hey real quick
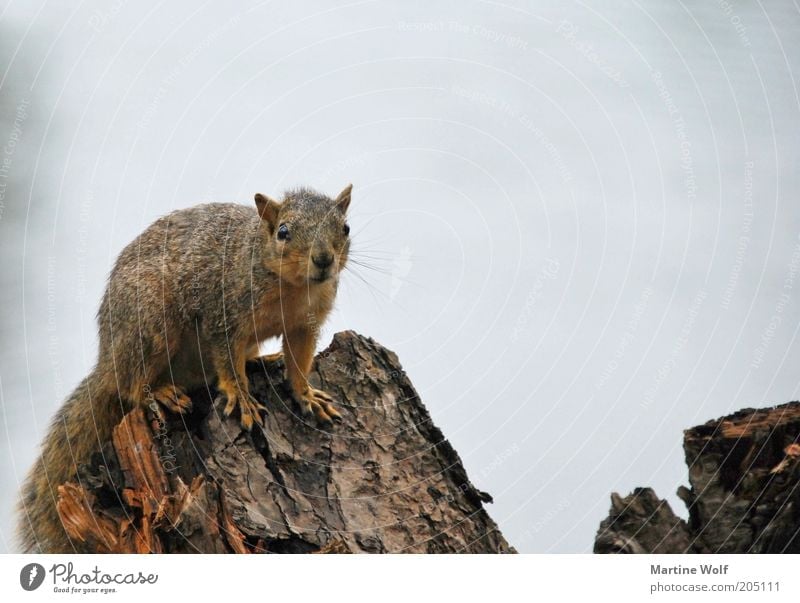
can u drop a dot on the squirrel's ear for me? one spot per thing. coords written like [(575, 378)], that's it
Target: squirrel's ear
[(268, 209), (343, 200)]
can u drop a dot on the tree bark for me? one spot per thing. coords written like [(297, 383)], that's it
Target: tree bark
[(744, 496), (385, 480)]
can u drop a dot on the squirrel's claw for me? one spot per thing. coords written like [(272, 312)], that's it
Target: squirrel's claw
[(326, 413), (318, 403), (250, 409), (173, 398)]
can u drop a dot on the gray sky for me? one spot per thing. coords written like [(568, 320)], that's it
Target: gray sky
[(586, 214)]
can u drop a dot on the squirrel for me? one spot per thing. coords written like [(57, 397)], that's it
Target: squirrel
[(199, 289)]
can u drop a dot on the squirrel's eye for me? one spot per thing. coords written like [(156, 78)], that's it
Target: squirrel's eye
[(346, 229), (283, 233)]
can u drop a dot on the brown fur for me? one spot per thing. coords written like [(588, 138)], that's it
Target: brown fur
[(194, 295)]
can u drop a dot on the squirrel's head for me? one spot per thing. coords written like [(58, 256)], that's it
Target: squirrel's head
[(307, 233)]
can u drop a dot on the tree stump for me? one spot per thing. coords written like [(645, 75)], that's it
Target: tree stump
[(385, 480), (744, 472)]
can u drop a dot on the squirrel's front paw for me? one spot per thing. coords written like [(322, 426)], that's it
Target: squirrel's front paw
[(249, 408), (173, 398), (317, 402), (271, 358)]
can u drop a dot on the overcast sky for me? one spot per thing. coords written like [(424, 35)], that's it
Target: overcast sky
[(586, 214)]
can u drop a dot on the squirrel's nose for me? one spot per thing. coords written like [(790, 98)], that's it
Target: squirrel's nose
[(322, 260)]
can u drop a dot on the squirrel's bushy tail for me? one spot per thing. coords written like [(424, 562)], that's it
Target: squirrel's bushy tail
[(68, 443)]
